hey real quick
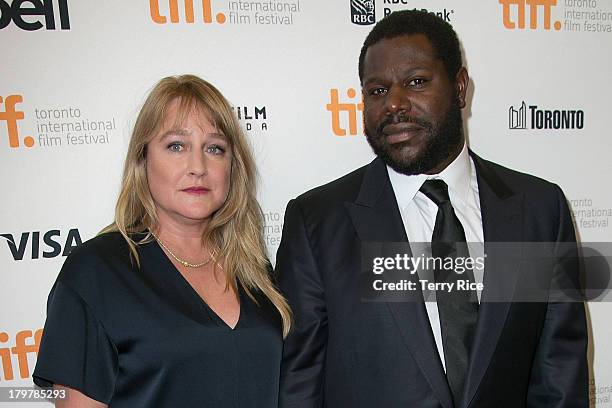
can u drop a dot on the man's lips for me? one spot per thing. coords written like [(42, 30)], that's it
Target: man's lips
[(196, 190), (401, 132)]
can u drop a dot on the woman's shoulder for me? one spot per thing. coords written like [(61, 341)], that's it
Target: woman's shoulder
[(106, 246), (91, 262)]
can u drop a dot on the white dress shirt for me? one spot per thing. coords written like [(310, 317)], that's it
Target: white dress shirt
[(419, 216)]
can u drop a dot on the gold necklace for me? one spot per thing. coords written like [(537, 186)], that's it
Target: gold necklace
[(179, 260)]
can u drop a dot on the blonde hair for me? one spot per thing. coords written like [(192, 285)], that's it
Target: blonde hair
[(234, 232)]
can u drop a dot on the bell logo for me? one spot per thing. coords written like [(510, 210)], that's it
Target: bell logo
[(15, 12), (207, 12), (51, 239), (21, 349), (350, 109), (11, 116), (509, 12)]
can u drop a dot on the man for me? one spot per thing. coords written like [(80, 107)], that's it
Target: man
[(425, 186)]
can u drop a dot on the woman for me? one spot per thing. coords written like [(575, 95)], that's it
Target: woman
[(172, 305)]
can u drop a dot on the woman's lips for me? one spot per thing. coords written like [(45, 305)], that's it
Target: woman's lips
[(196, 190)]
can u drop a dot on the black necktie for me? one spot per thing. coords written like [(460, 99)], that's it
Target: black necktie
[(458, 309)]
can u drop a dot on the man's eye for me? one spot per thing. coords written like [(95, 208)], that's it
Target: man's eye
[(215, 149), (378, 91), (417, 82), (175, 147)]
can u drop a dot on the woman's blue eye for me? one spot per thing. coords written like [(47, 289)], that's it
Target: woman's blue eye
[(215, 149), (175, 147)]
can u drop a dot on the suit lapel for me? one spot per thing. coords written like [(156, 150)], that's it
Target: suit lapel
[(502, 222), (377, 218)]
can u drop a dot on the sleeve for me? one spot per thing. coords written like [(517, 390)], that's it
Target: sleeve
[(303, 365), (560, 375), (75, 350)]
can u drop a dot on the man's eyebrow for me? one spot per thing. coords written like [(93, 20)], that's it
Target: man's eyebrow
[(407, 72)]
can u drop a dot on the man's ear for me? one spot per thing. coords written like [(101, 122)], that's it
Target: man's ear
[(461, 83)]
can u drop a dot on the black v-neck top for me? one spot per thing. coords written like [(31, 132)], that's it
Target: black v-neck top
[(143, 337)]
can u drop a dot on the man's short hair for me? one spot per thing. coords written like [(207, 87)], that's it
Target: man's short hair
[(408, 22)]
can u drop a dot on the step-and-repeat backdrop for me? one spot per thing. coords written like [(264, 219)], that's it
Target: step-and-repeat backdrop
[(74, 74)]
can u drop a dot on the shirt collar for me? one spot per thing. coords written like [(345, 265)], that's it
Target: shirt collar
[(456, 175)]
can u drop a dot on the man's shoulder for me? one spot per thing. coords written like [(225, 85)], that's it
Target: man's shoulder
[(512, 180), (345, 188)]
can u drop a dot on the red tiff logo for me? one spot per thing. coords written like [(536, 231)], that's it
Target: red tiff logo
[(514, 13), (10, 115), (344, 112), (22, 347), (173, 6)]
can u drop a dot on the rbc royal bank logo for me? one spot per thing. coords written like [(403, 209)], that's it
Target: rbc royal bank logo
[(363, 12), (534, 117)]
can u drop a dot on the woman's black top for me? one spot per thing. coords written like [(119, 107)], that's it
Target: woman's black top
[(143, 337)]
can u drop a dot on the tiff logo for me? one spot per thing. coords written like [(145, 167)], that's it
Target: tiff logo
[(16, 11), (11, 116), (517, 13), (350, 109), (517, 118), (363, 12), (173, 8), (21, 349)]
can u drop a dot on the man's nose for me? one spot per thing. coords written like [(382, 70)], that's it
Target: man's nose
[(398, 99)]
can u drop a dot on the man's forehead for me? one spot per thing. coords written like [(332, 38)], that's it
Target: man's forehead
[(406, 43), (402, 50)]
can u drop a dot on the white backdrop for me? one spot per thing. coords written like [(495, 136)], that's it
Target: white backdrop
[(76, 89)]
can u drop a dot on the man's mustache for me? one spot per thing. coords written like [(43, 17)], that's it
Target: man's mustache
[(403, 117)]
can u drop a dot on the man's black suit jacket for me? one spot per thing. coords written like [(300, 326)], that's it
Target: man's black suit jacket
[(343, 352)]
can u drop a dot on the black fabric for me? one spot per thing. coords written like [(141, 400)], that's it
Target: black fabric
[(457, 308), (346, 352), (142, 337)]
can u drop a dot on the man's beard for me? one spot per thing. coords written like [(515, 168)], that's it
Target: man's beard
[(441, 142)]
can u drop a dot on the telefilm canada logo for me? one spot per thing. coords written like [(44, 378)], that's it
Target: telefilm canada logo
[(363, 12), (535, 117), (24, 14), (254, 117)]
